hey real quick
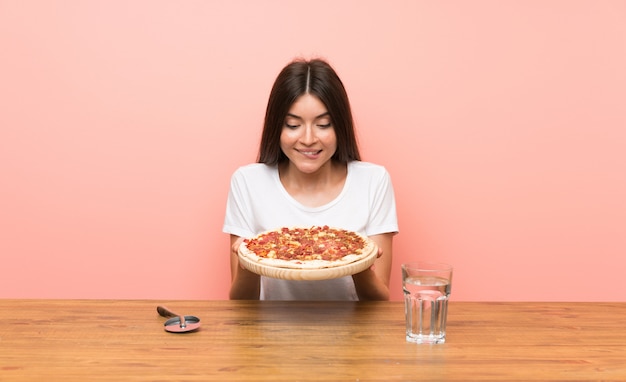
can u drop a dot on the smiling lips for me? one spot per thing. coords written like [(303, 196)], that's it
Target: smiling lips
[(310, 153)]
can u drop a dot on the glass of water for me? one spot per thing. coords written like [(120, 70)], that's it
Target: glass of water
[(426, 289)]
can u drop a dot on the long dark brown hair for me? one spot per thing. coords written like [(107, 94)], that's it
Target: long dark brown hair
[(318, 78)]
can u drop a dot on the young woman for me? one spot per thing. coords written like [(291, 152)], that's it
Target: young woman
[(309, 173)]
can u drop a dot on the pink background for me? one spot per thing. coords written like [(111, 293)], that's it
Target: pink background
[(502, 124)]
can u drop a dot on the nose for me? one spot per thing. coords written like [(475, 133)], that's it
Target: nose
[(308, 136)]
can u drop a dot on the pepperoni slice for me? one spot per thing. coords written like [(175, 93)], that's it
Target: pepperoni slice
[(314, 243)]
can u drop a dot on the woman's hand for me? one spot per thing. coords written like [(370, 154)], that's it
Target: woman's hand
[(245, 285), (373, 283), (234, 251)]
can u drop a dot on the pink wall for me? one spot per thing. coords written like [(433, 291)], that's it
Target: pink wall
[(502, 123)]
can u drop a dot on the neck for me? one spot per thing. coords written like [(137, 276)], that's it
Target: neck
[(291, 175), (314, 189)]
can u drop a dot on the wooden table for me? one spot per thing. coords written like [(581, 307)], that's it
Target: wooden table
[(88, 340)]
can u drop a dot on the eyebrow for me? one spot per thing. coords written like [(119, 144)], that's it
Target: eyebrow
[(318, 117)]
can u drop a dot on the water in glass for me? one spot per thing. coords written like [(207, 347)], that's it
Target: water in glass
[(426, 304)]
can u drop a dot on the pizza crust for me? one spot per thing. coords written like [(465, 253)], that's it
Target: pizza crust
[(309, 274), (368, 250)]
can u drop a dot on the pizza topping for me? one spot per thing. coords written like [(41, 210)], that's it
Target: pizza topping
[(315, 243)]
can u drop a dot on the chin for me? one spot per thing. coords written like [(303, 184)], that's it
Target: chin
[(308, 169)]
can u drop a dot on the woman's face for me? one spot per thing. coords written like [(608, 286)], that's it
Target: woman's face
[(308, 136)]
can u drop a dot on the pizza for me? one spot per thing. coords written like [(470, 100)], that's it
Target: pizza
[(314, 247)]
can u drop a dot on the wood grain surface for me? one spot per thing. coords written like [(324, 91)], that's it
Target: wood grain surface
[(106, 340), (371, 251), (310, 274)]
